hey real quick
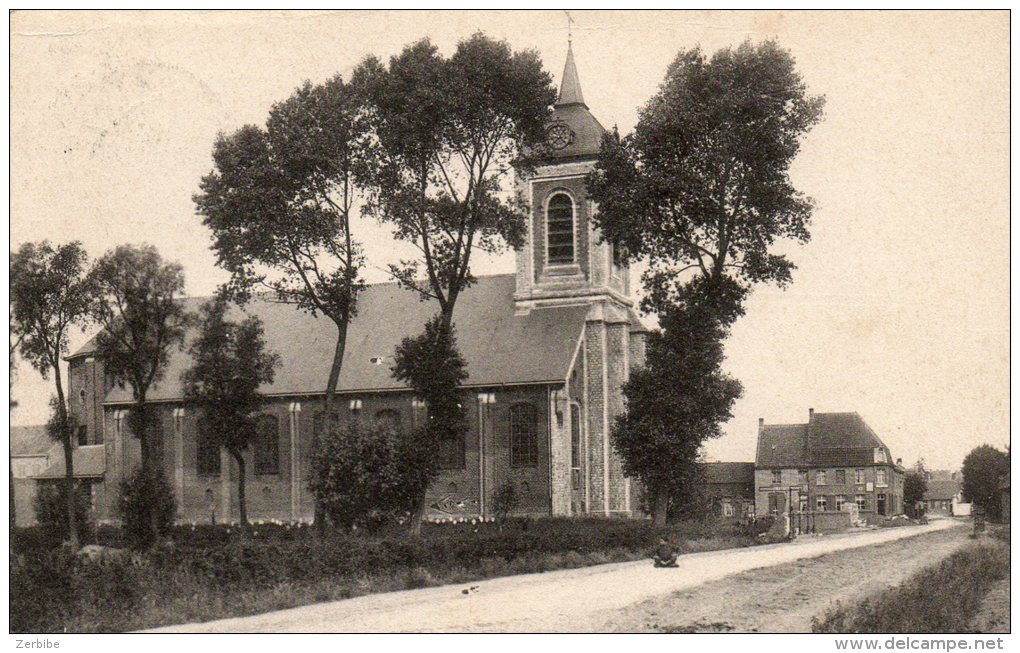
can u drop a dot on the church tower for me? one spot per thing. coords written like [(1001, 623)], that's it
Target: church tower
[(563, 261)]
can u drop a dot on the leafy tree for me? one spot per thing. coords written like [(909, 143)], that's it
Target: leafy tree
[(142, 321), (449, 134), (279, 204), (983, 469), (914, 486), (431, 364), (49, 295), (146, 506), (366, 476), (702, 186), (675, 402), (229, 364), (14, 341)]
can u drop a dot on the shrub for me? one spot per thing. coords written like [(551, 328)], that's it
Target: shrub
[(51, 509), (939, 599), (143, 495), (505, 500)]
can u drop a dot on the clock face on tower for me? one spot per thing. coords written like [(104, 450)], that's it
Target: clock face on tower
[(559, 135)]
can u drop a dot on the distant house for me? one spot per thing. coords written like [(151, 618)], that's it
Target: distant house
[(828, 472), (940, 496), (31, 453), (730, 488)]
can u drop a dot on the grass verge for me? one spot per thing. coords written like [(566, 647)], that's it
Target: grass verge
[(213, 573), (942, 598)]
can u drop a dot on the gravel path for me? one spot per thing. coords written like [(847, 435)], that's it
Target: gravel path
[(559, 601)]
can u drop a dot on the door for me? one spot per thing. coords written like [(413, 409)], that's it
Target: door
[(777, 503), (881, 504)]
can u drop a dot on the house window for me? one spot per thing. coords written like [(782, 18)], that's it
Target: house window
[(419, 413), (267, 445), (838, 502), (802, 503), (727, 509), (387, 419), (208, 454), (821, 503), (840, 477), (802, 476), (879, 455), (81, 396), (820, 477), (880, 478), (523, 435), (859, 476), (862, 501), (575, 436), (777, 476), (560, 230)]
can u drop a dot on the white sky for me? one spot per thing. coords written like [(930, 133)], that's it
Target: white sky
[(899, 309)]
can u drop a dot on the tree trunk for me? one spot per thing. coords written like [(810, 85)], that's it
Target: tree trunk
[(660, 506), (326, 425), (242, 504), (65, 437), (150, 457), (418, 516)]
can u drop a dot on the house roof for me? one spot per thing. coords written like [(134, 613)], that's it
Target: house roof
[(941, 490), (500, 346), (827, 440), (729, 473), (30, 440), (89, 462)]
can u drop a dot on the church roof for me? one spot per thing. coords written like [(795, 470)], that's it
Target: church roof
[(500, 346), (570, 110), (30, 440)]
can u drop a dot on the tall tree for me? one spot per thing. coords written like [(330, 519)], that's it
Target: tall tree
[(14, 338), (983, 469), (675, 403), (702, 185), (449, 134), (49, 295), (914, 486), (280, 203), (230, 362), (138, 307)]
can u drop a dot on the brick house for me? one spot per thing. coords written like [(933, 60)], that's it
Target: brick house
[(941, 495), (825, 471), (729, 487), (547, 348)]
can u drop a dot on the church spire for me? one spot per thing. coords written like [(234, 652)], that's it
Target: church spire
[(570, 85)]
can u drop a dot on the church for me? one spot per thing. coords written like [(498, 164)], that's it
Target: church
[(548, 350)]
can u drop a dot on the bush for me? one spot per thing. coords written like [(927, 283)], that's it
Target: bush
[(51, 509), (939, 599), (146, 496), (505, 500)]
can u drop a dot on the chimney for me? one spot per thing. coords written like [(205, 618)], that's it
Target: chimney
[(899, 461), (761, 425), (810, 414)]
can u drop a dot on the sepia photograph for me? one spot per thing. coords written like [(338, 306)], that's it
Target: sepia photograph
[(519, 321)]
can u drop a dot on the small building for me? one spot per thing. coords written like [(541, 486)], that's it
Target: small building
[(827, 473), (729, 487), (32, 450), (940, 496)]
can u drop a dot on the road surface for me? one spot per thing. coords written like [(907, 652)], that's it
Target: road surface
[(558, 601)]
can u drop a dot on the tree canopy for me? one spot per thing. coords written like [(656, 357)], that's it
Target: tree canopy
[(983, 469), (702, 186)]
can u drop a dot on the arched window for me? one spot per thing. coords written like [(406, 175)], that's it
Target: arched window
[(523, 435), (387, 419), (559, 224), (267, 445), (208, 451)]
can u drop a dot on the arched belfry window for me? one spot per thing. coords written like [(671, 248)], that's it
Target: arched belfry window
[(560, 229)]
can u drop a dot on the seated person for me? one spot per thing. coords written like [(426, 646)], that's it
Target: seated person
[(665, 555)]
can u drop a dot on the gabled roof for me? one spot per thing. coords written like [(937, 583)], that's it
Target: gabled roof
[(781, 445), (30, 440), (89, 462), (729, 473), (827, 440), (941, 490), (500, 346)]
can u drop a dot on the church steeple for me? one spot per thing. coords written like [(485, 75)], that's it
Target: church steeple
[(570, 85)]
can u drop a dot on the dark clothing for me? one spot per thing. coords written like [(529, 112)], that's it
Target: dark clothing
[(664, 556)]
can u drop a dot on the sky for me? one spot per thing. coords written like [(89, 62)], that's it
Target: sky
[(899, 309)]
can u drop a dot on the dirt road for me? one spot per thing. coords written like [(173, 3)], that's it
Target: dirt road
[(576, 600)]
